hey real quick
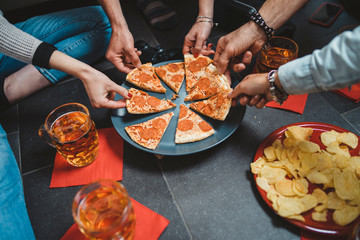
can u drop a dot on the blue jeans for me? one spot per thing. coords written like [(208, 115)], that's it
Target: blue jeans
[(83, 33), (14, 220)]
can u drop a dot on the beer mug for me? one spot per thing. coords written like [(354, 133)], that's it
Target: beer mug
[(103, 210), (71, 131), (276, 52)]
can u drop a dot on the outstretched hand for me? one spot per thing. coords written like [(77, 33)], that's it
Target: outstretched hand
[(253, 90), (195, 40), (122, 53)]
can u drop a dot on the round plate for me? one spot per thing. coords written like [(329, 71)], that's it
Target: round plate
[(328, 227), (167, 146)]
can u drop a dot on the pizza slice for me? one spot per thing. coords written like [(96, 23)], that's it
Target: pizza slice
[(210, 84), (142, 103), (194, 69), (172, 74), (216, 107), (145, 78), (148, 134), (191, 127)]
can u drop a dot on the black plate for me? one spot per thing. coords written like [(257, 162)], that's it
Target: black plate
[(167, 146)]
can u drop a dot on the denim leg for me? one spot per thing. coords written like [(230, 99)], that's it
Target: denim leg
[(83, 33), (14, 220)]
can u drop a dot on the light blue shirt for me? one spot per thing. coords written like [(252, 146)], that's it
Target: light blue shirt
[(335, 66)]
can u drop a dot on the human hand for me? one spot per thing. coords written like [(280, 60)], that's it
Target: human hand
[(236, 49), (122, 53), (253, 90), (195, 40), (101, 91)]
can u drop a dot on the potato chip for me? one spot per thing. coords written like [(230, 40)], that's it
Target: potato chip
[(328, 137), (309, 201), (324, 160), (297, 217), (317, 177), (309, 160), (346, 184), (348, 138), (321, 207), (300, 133), (257, 165), (299, 187), (272, 174), (272, 194), (334, 147), (320, 195), (334, 202), (269, 153), (263, 183), (284, 187), (291, 142), (319, 216), (309, 147), (288, 206), (346, 215)]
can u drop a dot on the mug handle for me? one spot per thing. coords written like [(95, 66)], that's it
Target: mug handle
[(45, 136)]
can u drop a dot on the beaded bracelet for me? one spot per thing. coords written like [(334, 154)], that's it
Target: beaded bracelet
[(256, 17), (277, 94)]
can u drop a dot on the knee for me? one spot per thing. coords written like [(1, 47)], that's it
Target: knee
[(103, 21)]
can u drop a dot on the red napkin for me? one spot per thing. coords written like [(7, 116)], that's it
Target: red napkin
[(148, 225), (295, 103), (352, 93), (108, 164), (306, 235)]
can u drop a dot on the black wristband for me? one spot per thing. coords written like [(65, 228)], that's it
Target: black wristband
[(42, 55), (256, 17)]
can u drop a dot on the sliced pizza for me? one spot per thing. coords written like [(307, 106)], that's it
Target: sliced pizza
[(145, 78), (216, 107), (142, 103), (194, 69), (191, 127), (148, 134), (172, 74)]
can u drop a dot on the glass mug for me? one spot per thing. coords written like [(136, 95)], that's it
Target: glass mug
[(103, 210), (71, 131), (276, 52)]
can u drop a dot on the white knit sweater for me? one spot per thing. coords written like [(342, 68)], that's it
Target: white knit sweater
[(15, 43)]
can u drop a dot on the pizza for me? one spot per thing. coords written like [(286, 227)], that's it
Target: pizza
[(145, 78), (172, 74), (148, 134), (194, 69), (141, 103), (209, 84), (191, 127), (216, 107)]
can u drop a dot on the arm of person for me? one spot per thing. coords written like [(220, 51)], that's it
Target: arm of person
[(121, 51), (236, 48), (316, 72), (26, 48), (195, 40)]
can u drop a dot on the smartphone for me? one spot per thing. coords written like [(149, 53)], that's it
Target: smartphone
[(326, 14)]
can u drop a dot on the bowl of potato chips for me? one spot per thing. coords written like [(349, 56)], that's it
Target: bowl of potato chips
[(309, 174)]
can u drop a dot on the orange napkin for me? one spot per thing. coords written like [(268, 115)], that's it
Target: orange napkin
[(108, 164), (148, 225), (295, 103), (352, 93), (306, 235)]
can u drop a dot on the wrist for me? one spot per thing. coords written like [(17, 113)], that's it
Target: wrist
[(278, 94)]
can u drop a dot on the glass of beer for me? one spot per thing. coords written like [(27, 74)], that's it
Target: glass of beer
[(276, 52), (103, 210), (71, 131)]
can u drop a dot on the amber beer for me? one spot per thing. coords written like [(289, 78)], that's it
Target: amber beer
[(103, 210), (276, 52), (71, 131), (77, 141)]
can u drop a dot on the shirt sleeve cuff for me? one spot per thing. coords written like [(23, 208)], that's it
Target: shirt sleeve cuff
[(42, 55)]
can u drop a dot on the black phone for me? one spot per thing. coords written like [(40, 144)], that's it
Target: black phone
[(326, 14)]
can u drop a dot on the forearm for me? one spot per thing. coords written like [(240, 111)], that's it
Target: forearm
[(113, 10), (334, 66), (206, 8)]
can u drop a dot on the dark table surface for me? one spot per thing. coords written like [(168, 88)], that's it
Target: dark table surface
[(207, 195)]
